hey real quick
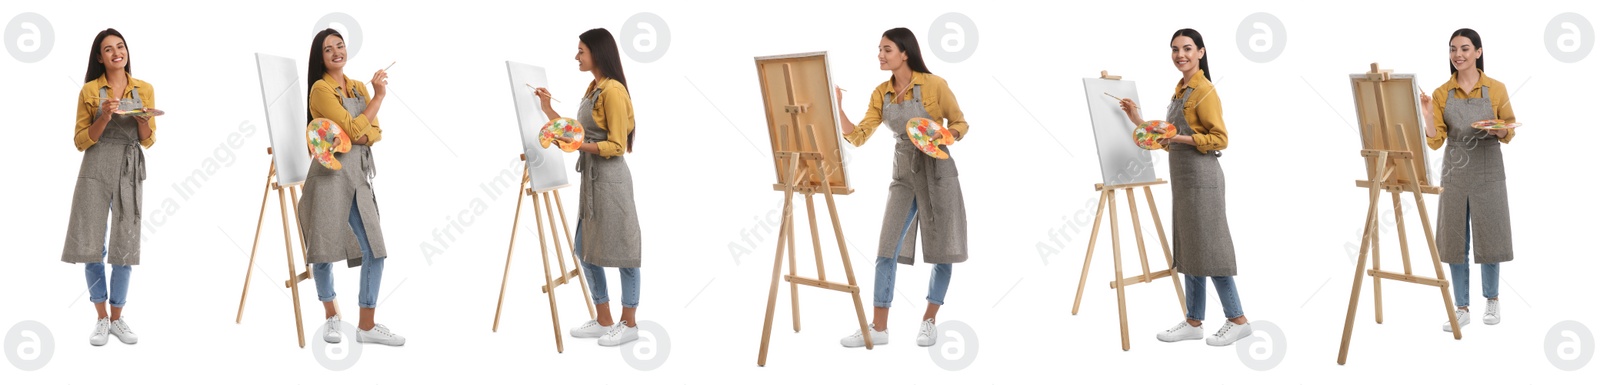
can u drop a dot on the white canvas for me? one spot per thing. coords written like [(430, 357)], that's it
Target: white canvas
[(286, 112), (1121, 161), (547, 169)]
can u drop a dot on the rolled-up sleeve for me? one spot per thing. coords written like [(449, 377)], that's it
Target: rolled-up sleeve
[(1210, 134), (614, 112), (1440, 130), (869, 122), (1502, 110), (954, 119), (86, 109), (148, 94), (325, 103)]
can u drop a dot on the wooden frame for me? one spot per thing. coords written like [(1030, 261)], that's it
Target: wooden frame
[(1390, 118), (288, 241), (1108, 200), (1387, 165), (805, 166), (563, 276)]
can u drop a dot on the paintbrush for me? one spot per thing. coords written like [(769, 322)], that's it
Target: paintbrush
[(536, 92)]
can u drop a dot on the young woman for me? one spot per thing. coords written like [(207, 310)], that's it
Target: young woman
[(925, 192), (110, 180), (1202, 245), (605, 198), (339, 213), (1473, 206)]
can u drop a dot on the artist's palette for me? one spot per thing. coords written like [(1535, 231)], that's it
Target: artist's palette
[(324, 138), (145, 112), (565, 128), (1495, 124), (920, 131), (1147, 134)]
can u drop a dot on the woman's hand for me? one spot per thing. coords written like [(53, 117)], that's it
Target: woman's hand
[(144, 121), (544, 96), (1427, 114), (845, 125), (380, 83), (1132, 109), (1499, 133), (108, 107)]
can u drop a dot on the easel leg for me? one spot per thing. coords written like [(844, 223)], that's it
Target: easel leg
[(294, 290), (1400, 225), (582, 281), (1155, 214), (1089, 255), (777, 267), (1433, 251), (1116, 263), (1367, 237), (544, 256), (1377, 284), (561, 253), (794, 288), (1138, 235), (844, 254), (505, 275), (260, 219)]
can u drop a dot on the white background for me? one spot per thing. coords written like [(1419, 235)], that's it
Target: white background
[(703, 174)]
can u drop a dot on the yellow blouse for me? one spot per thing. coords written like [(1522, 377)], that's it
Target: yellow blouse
[(1203, 111), (325, 103), (89, 102), (1498, 97), (613, 112), (936, 99)]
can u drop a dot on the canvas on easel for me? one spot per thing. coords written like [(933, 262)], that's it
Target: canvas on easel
[(542, 178), (802, 123), (1392, 139), (1124, 167), (291, 162)]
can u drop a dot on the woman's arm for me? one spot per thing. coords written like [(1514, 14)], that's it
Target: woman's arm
[(89, 127), (858, 133), (147, 124)]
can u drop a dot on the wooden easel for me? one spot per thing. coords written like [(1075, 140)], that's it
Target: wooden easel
[(1109, 194), (564, 276), (294, 278), (799, 167), (1387, 162)]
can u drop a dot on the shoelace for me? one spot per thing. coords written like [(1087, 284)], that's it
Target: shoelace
[(122, 327), (101, 327), (1226, 326), (1494, 307), (1180, 326), (616, 329), (927, 328), (382, 330)]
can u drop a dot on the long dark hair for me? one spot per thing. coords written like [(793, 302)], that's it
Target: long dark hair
[(1205, 61), (907, 42), (98, 69), (603, 55), (1477, 43), (315, 68)]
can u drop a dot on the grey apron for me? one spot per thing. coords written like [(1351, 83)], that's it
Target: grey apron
[(325, 208), (112, 171), (1475, 176), (1201, 243), (933, 186), (605, 200)]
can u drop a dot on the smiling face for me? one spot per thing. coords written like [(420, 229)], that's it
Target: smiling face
[(1185, 55), (333, 53), (890, 57), (1463, 54), (113, 53), (585, 61)]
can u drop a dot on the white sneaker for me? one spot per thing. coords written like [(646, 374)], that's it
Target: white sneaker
[(854, 340), (380, 335), (1181, 332), (927, 334), (619, 334), (1463, 317), (123, 332), (1229, 333), (330, 333), (590, 329), (102, 332), (1491, 316)]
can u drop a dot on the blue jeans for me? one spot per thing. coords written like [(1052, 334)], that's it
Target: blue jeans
[(883, 284), (597, 277), (95, 274), (371, 267), (1461, 276), (1194, 290)]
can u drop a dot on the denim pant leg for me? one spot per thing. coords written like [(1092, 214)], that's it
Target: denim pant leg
[(1228, 294), (95, 275), (1460, 273), (1194, 295), (1491, 280), (938, 283), (630, 286), (597, 282), (322, 274), (371, 265), (119, 284), (883, 282)]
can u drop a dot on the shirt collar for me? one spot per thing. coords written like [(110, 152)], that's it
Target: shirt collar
[(917, 79), (327, 77), (101, 82)]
